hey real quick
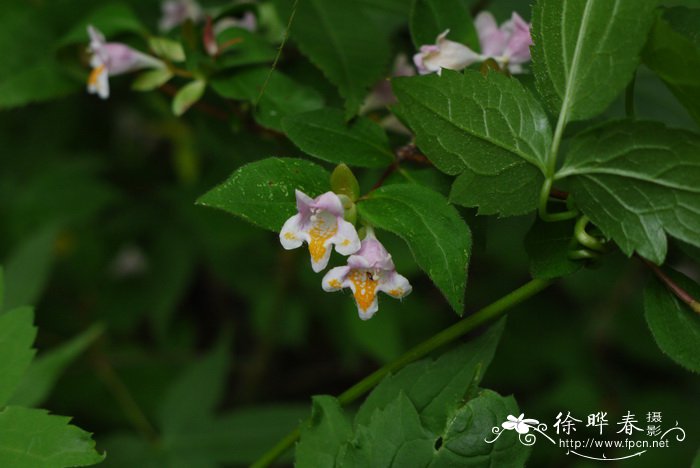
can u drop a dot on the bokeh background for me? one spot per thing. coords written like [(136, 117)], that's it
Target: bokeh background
[(206, 319)]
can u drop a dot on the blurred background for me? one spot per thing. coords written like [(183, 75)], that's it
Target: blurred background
[(212, 337)]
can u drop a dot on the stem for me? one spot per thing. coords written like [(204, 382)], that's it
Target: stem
[(586, 239), (683, 295), (544, 200), (448, 335)]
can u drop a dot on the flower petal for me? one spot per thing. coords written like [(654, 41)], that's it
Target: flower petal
[(329, 202), (395, 285), (364, 288), (452, 55), (292, 234), (335, 279), (98, 82), (491, 38), (321, 233), (346, 240)]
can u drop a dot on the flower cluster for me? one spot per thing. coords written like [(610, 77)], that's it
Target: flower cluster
[(320, 223), (509, 45)]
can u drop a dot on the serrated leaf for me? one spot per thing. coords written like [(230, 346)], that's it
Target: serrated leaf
[(585, 51), (188, 96), (673, 53), (324, 134), (244, 48), (203, 382), (431, 17), (151, 79), (675, 326), (167, 48), (322, 437), (488, 130), (638, 181), (111, 19), (275, 98), (438, 237), (263, 192), (32, 438), (17, 334), (548, 246), (436, 386), (43, 373), (342, 41)]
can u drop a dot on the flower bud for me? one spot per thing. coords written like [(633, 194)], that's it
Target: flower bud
[(343, 182)]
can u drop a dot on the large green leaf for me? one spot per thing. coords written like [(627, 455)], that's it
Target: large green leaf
[(431, 17), (323, 435), (324, 134), (438, 237), (585, 51), (32, 438), (488, 130), (43, 373), (638, 181), (274, 94), (111, 19), (673, 53), (17, 334), (263, 192), (251, 50), (342, 41), (548, 246), (676, 328)]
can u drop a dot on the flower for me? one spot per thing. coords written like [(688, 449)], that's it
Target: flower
[(319, 222), (113, 58), (247, 22), (509, 45), (368, 271), (521, 425), (382, 95), (176, 12), (444, 54)]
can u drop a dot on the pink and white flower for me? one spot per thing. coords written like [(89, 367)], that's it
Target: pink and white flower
[(320, 223), (520, 424), (113, 58), (176, 12), (247, 22), (509, 45), (368, 271)]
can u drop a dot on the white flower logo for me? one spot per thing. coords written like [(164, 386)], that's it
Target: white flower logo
[(520, 424)]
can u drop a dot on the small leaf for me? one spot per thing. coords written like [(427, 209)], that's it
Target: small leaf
[(188, 96), (322, 437), (17, 334), (151, 79), (675, 326), (33, 438), (241, 48), (431, 17), (167, 48), (488, 130), (673, 53), (585, 51), (548, 246), (275, 98), (638, 181), (324, 134), (43, 373), (263, 192), (342, 41), (438, 237)]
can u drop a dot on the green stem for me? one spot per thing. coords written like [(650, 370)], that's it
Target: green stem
[(586, 239), (544, 201), (448, 335)]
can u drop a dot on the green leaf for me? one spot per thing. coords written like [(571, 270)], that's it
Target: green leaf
[(638, 181), (673, 53), (47, 368), (548, 246), (462, 441), (586, 51), (437, 387), (438, 237), (111, 19), (275, 98), (151, 79), (675, 326), (342, 41), (167, 48), (203, 382), (263, 192), (188, 96), (17, 334), (322, 437), (27, 269), (429, 18), (490, 131), (251, 50), (324, 134), (32, 438)]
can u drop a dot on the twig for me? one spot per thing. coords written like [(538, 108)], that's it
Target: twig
[(683, 295)]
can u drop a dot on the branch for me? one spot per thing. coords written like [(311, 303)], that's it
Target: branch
[(683, 295)]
